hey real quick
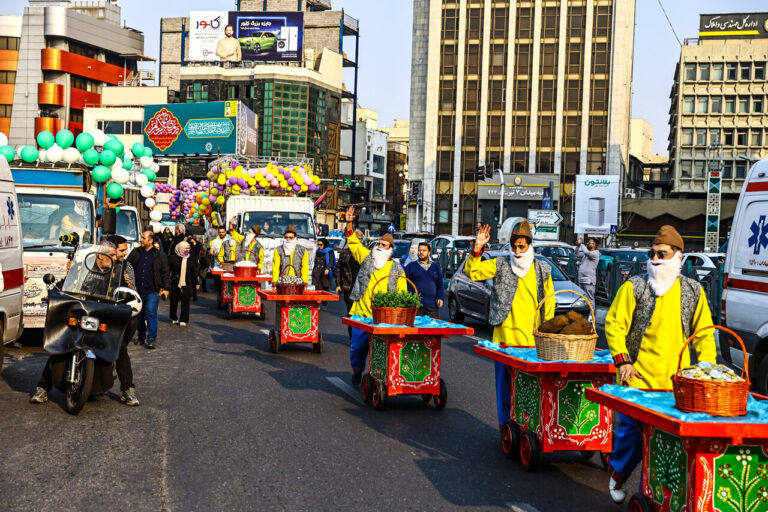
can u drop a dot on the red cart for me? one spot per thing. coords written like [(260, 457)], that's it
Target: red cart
[(405, 361), (223, 294), (549, 410), (244, 297), (688, 466), (297, 318)]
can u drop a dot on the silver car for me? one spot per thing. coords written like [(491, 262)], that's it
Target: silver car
[(467, 298)]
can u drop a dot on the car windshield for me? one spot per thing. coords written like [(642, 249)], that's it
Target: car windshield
[(45, 218), (93, 273), (557, 275), (625, 255), (401, 249), (462, 244), (166, 218), (127, 223), (274, 223)]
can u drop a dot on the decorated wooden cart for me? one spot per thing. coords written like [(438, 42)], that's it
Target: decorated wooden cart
[(405, 361), (699, 464), (549, 410), (242, 296), (297, 317), (224, 293)]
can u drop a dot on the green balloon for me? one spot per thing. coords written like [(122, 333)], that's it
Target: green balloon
[(147, 152), (115, 190), (138, 149), (150, 174), (8, 153), (101, 174), (117, 209), (91, 156), (107, 157), (114, 146), (84, 141), (29, 154), (45, 139), (127, 164), (64, 138)]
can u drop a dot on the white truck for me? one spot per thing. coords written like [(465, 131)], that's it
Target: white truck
[(129, 226)]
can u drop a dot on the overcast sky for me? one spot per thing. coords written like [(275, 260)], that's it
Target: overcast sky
[(385, 47)]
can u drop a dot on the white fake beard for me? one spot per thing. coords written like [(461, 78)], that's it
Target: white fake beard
[(662, 274), (381, 256), (289, 246), (248, 239), (521, 263)]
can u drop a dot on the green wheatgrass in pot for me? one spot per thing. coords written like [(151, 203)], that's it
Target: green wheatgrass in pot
[(399, 299)]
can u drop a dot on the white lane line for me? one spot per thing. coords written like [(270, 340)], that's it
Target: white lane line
[(347, 389), (521, 507)]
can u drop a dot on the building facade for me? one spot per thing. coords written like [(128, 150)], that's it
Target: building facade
[(56, 58), (641, 139), (524, 86)]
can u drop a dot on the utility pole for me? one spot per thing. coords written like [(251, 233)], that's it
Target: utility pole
[(714, 190)]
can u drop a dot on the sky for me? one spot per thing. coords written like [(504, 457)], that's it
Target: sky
[(385, 47)]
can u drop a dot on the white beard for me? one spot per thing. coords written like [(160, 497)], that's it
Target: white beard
[(248, 239), (662, 274), (381, 256), (288, 247), (521, 263)]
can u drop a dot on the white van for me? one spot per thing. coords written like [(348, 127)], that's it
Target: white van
[(745, 295), (11, 261)]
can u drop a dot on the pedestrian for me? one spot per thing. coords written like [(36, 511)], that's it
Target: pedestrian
[(152, 282), (325, 261), (290, 258), (375, 265), (518, 288), (428, 278), (587, 274), (346, 272), (645, 335), (179, 235), (195, 248), (216, 256), (183, 280), (166, 239)]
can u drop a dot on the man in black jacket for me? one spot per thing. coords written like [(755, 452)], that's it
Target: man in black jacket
[(153, 280)]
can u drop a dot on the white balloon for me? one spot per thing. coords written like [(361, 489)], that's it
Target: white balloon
[(117, 165), (155, 215), (71, 155), (3, 139), (18, 151), (41, 155), (155, 167), (98, 137), (149, 202), (55, 153), (127, 153), (146, 191), (146, 162), (120, 176), (141, 180)]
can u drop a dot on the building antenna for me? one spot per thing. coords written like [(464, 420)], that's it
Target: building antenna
[(670, 23)]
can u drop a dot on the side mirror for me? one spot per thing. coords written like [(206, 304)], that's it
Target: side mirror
[(435, 257), (49, 279)]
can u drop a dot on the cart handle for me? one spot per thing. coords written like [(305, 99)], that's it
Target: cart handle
[(373, 288), (544, 300), (745, 366), (237, 256), (283, 272)]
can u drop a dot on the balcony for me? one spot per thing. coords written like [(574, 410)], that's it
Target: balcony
[(351, 25), (54, 59), (51, 94)]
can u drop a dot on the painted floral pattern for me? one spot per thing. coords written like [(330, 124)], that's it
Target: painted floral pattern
[(741, 480), (668, 469), (527, 400), (299, 319), (415, 363), (576, 414)]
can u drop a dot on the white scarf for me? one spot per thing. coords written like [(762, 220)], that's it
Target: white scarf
[(288, 247), (662, 274), (521, 263), (381, 256), (248, 239)]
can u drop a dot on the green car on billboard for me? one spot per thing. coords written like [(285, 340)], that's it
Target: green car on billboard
[(258, 41)]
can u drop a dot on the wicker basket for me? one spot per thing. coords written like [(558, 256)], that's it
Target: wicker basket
[(715, 398), (558, 347), (249, 272), (289, 289), (395, 316)]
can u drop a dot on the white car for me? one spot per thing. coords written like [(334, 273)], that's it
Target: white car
[(706, 260)]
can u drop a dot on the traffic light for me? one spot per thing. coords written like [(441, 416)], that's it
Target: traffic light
[(489, 171), (335, 182), (495, 214), (347, 182), (480, 173)]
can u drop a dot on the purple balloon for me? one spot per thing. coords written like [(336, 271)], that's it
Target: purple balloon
[(296, 188), (241, 182), (291, 181)]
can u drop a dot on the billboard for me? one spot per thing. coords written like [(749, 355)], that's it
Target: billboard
[(733, 26), (246, 36), (225, 127), (597, 204)]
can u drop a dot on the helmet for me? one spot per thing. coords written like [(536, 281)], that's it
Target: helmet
[(129, 297)]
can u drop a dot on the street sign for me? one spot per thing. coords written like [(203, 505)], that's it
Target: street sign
[(614, 229), (545, 232), (391, 228), (548, 217)]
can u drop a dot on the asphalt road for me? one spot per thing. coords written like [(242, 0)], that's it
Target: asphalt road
[(224, 424)]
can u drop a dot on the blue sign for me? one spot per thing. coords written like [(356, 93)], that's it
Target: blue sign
[(546, 199), (614, 229), (269, 36), (391, 228), (759, 238)]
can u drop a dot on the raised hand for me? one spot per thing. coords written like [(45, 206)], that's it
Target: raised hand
[(350, 214), (483, 237)]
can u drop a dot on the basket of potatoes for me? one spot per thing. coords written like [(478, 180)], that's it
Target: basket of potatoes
[(569, 337)]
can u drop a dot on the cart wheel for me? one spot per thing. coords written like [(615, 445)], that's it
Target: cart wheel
[(426, 398), (317, 346), (510, 439), (366, 388), (377, 395), (261, 315), (218, 302), (442, 398), (529, 451), (605, 458), (587, 454), (274, 346), (639, 503), (229, 311)]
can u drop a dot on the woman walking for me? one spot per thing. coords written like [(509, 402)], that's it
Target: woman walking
[(183, 279)]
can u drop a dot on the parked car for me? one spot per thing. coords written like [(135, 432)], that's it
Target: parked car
[(706, 260), (626, 257), (417, 234), (467, 298), (559, 252), (400, 252), (745, 295), (258, 41)]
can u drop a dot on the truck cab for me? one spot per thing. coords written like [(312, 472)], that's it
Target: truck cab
[(129, 226)]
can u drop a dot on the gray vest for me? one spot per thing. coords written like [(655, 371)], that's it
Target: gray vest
[(253, 253), (367, 268), (645, 303), (505, 287), (285, 259)]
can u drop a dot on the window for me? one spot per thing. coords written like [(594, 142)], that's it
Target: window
[(573, 95), (572, 132), (741, 170), (687, 136), (717, 72), (574, 57), (523, 59), (496, 95), (698, 168), (599, 95), (702, 104), (690, 72), (548, 58), (112, 127), (717, 105), (759, 70), (447, 94), (730, 105), (522, 94), (445, 130), (450, 26), (757, 138), (448, 59), (600, 58), (547, 132), (688, 104), (85, 51), (728, 137), (474, 23), (524, 24), (576, 20), (76, 116), (704, 72), (472, 66), (714, 137), (701, 137), (7, 77), (444, 210), (685, 168), (741, 137), (746, 71), (602, 21), (730, 71), (743, 105), (550, 25), (471, 130), (520, 129), (499, 23), (727, 170), (498, 59), (5, 110), (232, 92), (197, 92), (757, 104), (547, 95), (9, 43), (495, 131), (472, 95)]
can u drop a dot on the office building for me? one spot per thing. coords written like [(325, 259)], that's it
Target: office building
[(397, 167)]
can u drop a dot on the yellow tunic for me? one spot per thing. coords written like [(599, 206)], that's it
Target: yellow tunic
[(664, 338), (290, 271), (362, 307), (517, 329), (239, 239)]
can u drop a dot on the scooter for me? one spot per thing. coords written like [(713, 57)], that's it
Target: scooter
[(85, 323)]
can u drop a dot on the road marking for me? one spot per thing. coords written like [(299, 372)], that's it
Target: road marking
[(347, 389), (521, 507)]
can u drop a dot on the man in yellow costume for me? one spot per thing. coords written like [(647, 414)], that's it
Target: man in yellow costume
[(292, 256), (519, 285), (254, 251), (647, 325), (374, 265)]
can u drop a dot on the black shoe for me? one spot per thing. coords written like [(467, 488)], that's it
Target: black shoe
[(357, 377), (139, 341), (150, 344)]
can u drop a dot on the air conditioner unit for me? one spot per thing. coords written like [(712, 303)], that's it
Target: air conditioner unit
[(630, 194), (629, 191)]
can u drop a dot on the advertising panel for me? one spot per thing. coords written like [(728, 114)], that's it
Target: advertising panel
[(206, 29), (743, 25), (202, 128), (597, 204)]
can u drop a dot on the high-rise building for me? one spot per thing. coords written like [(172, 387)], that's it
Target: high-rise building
[(641, 139), (54, 60), (539, 89)]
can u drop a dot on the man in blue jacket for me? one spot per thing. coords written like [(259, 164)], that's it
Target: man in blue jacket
[(428, 278)]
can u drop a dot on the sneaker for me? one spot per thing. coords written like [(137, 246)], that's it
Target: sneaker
[(176, 322), (150, 344), (129, 397), (616, 489), (183, 324), (357, 377), (40, 396)]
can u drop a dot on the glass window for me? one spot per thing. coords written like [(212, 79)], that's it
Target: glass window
[(685, 168), (704, 72), (717, 71), (741, 170), (727, 170), (688, 104), (757, 104), (690, 71), (687, 136), (698, 168), (702, 102), (757, 138), (730, 105), (730, 71), (728, 137), (743, 105), (717, 105), (701, 137), (741, 137), (714, 137), (746, 71), (759, 71)]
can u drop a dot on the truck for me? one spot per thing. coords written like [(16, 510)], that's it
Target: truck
[(162, 206), (54, 201)]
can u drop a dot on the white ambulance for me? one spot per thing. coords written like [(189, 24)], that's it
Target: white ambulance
[(11, 261)]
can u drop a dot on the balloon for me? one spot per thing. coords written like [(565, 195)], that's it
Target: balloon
[(155, 216), (114, 146), (146, 191), (64, 138), (291, 181), (45, 139), (8, 153), (147, 152), (220, 200), (98, 137), (145, 162), (84, 141), (41, 155), (141, 179), (120, 176), (54, 153), (29, 154), (138, 149), (3, 139), (150, 174), (107, 157), (115, 190), (91, 156), (304, 188), (100, 173), (155, 167), (127, 163), (149, 202), (71, 155)]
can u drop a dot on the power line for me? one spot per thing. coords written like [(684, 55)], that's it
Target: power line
[(670, 23)]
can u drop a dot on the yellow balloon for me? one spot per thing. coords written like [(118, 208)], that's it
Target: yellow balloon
[(220, 200), (222, 179), (304, 188), (300, 181)]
